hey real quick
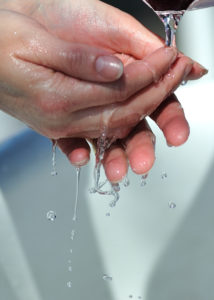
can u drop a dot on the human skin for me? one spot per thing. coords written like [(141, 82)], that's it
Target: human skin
[(60, 103)]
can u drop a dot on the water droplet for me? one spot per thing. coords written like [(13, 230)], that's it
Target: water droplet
[(51, 215), (164, 175), (130, 296), (139, 297), (72, 234), (184, 82), (108, 214), (70, 268), (69, 284), (71, 251), (172, 204), (107, 278), (126, 181), (53, 173)]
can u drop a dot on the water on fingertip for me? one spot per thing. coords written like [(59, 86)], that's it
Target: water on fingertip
[(145, 176)]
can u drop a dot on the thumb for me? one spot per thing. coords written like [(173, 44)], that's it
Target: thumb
[(73, 59)]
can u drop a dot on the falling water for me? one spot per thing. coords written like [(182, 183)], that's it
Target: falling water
[(77, 193), (54, 145), (170, 19), (103, 144)]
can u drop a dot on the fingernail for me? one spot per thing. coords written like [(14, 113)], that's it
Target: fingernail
[(109, 67)]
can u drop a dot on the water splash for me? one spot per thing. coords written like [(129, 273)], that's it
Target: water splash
[(54, 171), (103, 144), (77, 194), (51, 215)]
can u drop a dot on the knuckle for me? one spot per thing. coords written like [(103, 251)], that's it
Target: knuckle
[(74, 59)]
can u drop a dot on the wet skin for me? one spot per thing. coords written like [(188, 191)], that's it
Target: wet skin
[(45, 83)]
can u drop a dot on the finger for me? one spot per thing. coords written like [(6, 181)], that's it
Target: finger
[(197, 70), (171, 120), (115, 163), (137, 75), (145, 102), (140, 148), (130, 112), (77, 150)]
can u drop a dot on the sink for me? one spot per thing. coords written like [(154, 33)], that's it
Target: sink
[(148, 249)]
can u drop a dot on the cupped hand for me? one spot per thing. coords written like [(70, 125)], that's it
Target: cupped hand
[(138, 148), (56, 101), (45, 85)]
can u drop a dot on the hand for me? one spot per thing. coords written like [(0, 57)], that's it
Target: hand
[(46, 68), (138, 149), (132, 39), (41, 86)]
